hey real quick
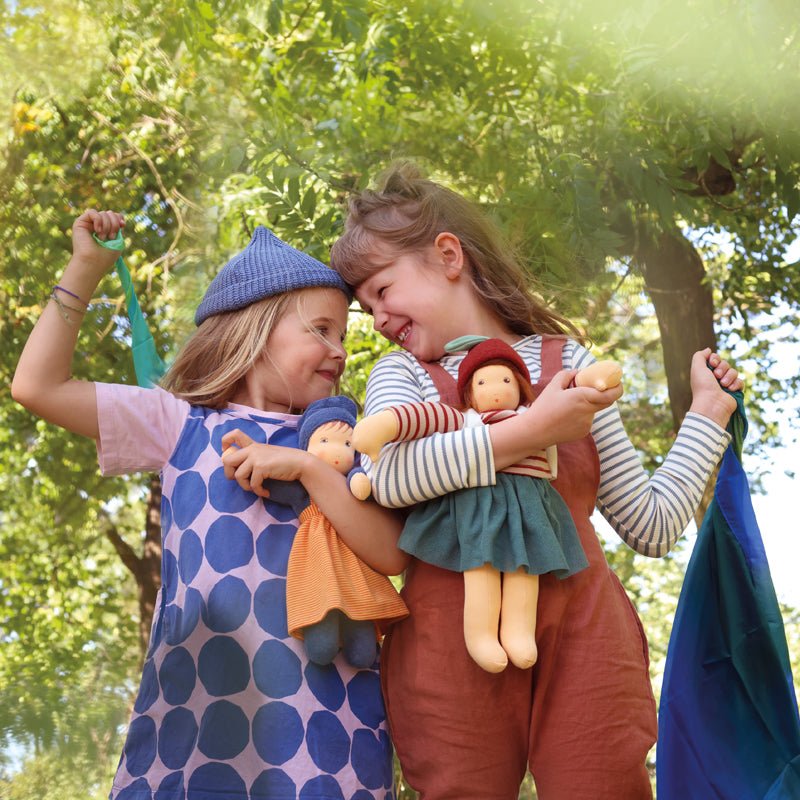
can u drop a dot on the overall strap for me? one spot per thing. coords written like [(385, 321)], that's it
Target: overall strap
[(552, 359), (444, 382)]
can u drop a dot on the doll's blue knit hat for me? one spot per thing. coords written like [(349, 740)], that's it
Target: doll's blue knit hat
[(329, 409), (266, 267)]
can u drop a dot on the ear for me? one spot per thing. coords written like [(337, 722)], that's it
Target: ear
[(448, 249)]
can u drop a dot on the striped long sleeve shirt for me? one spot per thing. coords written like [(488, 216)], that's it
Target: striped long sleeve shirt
[(418, 420), (649, 513)]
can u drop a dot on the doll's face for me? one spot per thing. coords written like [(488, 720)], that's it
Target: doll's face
[(332, 443), (493, 388)]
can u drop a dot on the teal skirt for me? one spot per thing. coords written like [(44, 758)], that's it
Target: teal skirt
[(519, 522)]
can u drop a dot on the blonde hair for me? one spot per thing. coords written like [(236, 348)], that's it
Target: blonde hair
[(407, 211), (210, 366)]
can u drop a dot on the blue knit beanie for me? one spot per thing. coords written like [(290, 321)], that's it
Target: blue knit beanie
[(266, 267), (330, 409)]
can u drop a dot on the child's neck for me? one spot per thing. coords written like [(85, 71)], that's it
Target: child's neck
[(246, 396), (483, 322)]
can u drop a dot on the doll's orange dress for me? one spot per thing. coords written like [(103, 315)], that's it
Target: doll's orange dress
[(324, 574)]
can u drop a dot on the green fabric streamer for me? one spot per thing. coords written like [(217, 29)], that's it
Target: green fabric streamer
[(147, 363)]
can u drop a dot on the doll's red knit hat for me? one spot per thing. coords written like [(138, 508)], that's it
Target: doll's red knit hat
[(488, 350)]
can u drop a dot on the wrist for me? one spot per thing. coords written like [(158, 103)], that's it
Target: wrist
[(717, 409), (82, 276)]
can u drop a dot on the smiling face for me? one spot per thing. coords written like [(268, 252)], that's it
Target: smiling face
[(304, 357), (422, 300), (332, 443), (494, 388)]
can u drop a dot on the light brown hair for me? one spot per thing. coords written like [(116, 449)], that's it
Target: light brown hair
[(407, 212)]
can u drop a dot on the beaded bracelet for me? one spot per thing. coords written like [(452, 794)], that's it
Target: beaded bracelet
[(71, 294), (62, 307)]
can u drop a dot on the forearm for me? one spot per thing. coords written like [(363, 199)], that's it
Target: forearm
[(514, 439), (650, 513), (43, 381), (369, 530), (412, 472)]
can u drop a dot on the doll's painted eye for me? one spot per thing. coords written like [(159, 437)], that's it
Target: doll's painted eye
[(481, 381), (347, 443), (506, 380), (323, 440)]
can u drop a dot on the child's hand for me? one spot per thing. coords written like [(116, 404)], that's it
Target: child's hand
[(708, 398), (567, 412), (106, 224), (250, 463)]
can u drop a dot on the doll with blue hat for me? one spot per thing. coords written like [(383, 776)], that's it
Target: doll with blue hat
[(333, 599)]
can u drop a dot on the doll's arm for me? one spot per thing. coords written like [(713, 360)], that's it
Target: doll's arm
[(287, 493), (601, 375), (404, 423), (359, 483)]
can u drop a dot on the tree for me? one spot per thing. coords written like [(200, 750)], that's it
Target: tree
[(649, 178)]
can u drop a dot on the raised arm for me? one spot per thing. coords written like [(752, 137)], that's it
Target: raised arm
[(43, 382), (650, 512)]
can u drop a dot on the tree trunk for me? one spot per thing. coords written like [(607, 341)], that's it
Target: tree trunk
[(675, 279), (150, 581), (146, 569)]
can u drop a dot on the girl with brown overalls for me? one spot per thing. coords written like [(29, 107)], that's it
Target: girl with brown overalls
[(429, 268)]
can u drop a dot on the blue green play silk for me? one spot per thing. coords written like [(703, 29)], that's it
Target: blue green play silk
[(728, 724), (148, 365)]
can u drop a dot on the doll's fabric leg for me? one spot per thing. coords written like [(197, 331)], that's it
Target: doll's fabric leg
[(322, 638), (460, 732), (593, 704), (518, 617), (358, 642), (482, 616)]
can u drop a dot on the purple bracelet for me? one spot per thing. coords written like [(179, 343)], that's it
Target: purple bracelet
[(71, 294)]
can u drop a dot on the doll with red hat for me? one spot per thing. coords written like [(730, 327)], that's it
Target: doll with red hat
[(501, 537), (333, 599)]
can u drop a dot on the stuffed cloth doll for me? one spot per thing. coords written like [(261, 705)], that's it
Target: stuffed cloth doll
[(333, 599), (520, 527)]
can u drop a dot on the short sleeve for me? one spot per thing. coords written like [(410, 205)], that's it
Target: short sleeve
[(139, 428)]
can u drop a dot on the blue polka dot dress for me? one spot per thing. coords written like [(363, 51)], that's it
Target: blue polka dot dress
[(229, 708)]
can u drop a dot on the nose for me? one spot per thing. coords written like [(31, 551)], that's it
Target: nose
[(379, 319), (337, 350)]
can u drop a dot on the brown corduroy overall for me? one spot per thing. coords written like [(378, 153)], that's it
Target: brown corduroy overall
[(583, 718)]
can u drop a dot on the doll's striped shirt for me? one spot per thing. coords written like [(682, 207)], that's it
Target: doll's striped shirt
[(420, 420), (648, 512)]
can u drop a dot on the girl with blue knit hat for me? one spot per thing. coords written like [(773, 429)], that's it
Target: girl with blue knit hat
[(229, 704)]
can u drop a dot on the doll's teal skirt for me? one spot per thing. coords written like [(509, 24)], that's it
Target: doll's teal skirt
[(519, 522)]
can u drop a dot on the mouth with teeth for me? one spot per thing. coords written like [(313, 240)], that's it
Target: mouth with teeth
[(402, 334)]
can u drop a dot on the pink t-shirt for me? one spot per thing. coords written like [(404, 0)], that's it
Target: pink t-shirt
[(229, 706)]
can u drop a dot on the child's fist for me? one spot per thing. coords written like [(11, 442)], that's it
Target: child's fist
[(374, 431), (106, 224)]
